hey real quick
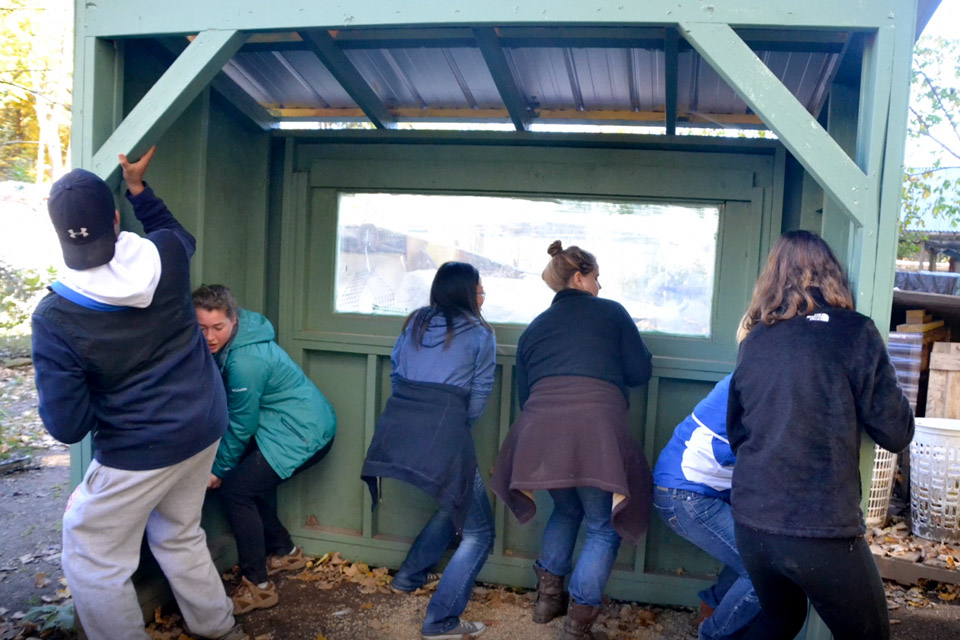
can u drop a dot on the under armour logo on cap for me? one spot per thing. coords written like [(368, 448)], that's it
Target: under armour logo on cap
[(82, 210)]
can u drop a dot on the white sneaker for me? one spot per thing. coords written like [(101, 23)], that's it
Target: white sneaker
[(462, 630)]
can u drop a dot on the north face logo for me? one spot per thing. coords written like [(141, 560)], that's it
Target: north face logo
[(83, 232)]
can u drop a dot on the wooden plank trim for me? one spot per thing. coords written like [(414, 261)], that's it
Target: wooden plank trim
[(111, 18), (479, 115), (369, 426), (503, 428), (649, 435), (799, 131), (910, 573), (671, 77)]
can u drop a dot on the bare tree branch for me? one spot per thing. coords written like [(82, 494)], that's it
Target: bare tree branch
[(925, 130), (943, 108), (931, 170), (34, 93)]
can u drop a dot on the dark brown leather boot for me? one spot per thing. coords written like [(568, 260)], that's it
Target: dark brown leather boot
[(580, 617), (550, 601)]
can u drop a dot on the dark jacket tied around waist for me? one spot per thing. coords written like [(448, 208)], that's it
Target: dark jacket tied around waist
[(423, 438), (573, 433)]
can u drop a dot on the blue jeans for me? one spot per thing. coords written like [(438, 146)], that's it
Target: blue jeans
[(708, 523), (570, 507), (453, 592)]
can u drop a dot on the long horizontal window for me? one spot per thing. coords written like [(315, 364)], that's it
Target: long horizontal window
[(655, 259)]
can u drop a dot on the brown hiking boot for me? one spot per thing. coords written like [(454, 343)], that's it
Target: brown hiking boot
[(550, 601), (289, 562), (249, 596), (580, 617)]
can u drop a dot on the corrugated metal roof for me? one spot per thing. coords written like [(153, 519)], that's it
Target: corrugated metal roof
[(442, 74)]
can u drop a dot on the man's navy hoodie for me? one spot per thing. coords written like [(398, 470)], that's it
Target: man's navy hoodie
[(139, 376)]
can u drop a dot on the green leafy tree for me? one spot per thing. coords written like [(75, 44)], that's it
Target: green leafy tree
[(35, 77), (935, 123)]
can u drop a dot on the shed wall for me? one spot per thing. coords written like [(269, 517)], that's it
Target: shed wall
[(347, 355)]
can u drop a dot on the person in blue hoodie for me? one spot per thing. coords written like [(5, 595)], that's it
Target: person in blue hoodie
[(441, 377), (692, 481), (280, 425)]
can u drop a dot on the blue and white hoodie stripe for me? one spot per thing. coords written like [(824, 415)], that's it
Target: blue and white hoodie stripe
[(698, 457)]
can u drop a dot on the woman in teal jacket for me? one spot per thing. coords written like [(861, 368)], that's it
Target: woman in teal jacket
[(280, 424)]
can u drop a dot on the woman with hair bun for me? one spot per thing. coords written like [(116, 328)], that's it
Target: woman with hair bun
[(812, 375), (575, 364)]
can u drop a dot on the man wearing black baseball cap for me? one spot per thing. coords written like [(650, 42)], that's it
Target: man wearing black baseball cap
[(82, 210), (118, 354)]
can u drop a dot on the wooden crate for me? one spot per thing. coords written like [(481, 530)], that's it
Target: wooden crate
[(919, 321), (943, 388)]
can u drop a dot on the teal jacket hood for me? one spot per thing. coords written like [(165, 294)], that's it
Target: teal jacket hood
[(270, 400), (251, 328)]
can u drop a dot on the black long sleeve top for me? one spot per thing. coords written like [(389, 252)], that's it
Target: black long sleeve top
[(582, 335), (803, 391)]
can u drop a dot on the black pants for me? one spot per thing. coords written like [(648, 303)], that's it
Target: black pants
[(838, 575), (249, 494)]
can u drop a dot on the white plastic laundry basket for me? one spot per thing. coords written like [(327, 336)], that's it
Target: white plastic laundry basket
[(935, 479), (881, 486)]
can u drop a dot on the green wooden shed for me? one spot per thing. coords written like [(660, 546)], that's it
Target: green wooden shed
[(327, 155)]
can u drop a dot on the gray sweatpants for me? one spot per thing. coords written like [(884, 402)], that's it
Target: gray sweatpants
[(102, 530)]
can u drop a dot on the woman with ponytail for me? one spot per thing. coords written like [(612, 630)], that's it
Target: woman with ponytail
[(575, 364)]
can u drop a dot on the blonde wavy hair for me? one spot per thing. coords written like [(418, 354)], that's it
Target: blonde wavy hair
[(801, 275)]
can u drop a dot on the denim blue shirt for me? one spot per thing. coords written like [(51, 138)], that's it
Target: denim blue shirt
[(467, 361)]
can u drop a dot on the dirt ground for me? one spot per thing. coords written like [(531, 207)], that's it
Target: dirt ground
[(32, 502), (31, 505), (307, 613)]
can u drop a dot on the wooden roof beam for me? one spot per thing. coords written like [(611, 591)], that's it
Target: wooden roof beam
[(671, 65), (496, 61), (820, 155), (650, 38), (226, 87), (338, 64), (189, 74)]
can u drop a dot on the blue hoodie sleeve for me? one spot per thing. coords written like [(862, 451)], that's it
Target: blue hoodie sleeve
[(154, 216), (483, 373), (61, 385)]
